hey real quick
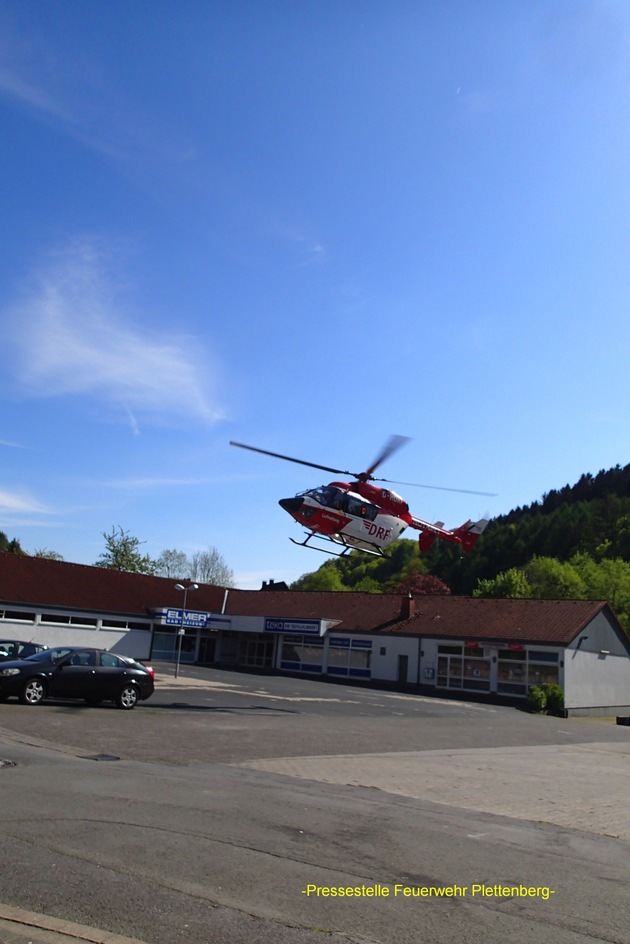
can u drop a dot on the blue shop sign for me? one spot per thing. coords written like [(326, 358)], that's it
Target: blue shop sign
[(304, 627), (192, 619)]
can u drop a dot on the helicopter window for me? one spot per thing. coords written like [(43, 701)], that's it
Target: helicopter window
[(328, 495), (361, 509)]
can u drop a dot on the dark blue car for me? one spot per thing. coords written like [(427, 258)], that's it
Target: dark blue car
[(17, 649), (93, 675)]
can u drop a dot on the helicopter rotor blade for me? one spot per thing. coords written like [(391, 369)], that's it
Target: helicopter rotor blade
[(439, 488), (278, 455), (392, 445)]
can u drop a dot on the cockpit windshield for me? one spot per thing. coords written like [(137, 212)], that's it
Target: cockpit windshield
[(348, 502), (328, 495)]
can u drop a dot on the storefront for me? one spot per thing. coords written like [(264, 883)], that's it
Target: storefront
[(435, 644), (339, 656), (508, 669), (241, 642)]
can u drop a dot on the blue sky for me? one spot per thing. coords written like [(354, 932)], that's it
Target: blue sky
[(305, 226)]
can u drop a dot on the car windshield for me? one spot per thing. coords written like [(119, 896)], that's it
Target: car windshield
[(49, 655)]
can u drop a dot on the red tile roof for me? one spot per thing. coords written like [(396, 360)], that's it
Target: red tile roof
[(36, 581), (33, 581), (358, 611), (549, 621)]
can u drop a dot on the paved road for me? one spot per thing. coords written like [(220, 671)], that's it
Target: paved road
[(240, 803)]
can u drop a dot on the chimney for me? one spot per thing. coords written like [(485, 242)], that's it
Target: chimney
[(408, 607)]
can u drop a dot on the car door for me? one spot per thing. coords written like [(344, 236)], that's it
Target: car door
[(112, 673), (75, 676)]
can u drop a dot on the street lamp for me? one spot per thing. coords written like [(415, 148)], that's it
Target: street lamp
[(180, 586)]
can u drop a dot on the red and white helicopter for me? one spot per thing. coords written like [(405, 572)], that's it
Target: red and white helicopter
[(365, 517)]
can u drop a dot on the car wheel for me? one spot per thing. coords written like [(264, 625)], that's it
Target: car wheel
[(33, 692), (127, 697)]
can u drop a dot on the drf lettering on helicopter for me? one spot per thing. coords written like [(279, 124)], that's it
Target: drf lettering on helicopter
[(377, 531)]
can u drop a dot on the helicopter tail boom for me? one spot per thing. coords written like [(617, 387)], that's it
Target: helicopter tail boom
[(467, 534)]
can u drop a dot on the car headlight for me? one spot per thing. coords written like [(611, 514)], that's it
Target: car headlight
[(9, 671)]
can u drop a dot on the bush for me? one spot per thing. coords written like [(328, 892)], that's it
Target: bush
[(554, 697), (536, 699)]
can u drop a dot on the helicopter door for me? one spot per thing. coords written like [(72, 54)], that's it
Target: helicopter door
[(359, 508)]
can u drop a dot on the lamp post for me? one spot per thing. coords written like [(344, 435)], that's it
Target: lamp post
[(180, 586)]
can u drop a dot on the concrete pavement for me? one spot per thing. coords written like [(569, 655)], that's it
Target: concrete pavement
[(575, 786), (581, 786)]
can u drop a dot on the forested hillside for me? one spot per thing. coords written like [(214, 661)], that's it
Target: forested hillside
[(591, 517), (573, 543)]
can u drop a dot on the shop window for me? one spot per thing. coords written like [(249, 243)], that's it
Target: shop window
[(539, 674), (519, 669), (542, 655), (302, 654), (463, 667), (476, 674), (350, 657)]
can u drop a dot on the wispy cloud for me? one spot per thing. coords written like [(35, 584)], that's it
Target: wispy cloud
[(11, 445), (81, 98), (27, 93), (310, 250), (19, 503), (29, 71), (144, 483), (76, 339)]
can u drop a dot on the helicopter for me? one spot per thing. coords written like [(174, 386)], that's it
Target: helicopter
[(360, 516)]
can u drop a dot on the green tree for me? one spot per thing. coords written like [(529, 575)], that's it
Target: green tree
[(49, 555), (551, 579), (606, 580), (326, 578), (368, 585), (173, 563), (122, 553), (10, 546), (512, 584), (210, 567)]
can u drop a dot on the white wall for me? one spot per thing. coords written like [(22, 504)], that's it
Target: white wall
[(126, 642), (597, 667), (385, 666), (594, 680)]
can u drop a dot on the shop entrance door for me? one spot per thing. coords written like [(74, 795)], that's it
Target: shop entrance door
[(403, 666), (207, 646)]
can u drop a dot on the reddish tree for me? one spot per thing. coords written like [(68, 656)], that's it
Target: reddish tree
[(423, 584)]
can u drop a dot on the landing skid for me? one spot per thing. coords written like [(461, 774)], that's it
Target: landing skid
[(375, 552)]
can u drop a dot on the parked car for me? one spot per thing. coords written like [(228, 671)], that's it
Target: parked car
[(95, 675), (16, 649)]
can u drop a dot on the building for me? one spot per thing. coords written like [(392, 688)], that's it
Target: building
[(432, 644)]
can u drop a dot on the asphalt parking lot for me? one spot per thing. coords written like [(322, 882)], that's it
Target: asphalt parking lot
[(225, 795), (231, 717)]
